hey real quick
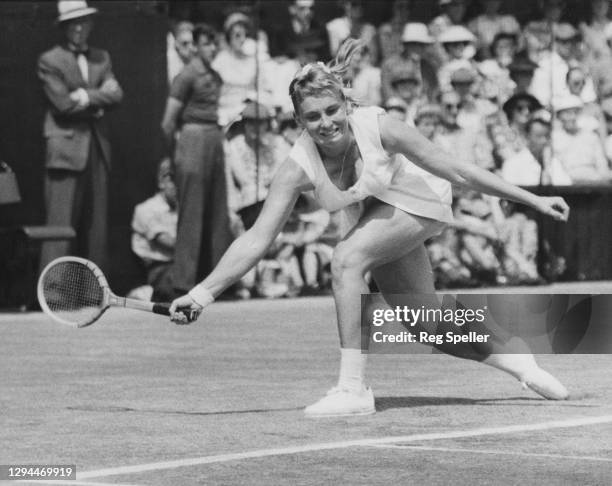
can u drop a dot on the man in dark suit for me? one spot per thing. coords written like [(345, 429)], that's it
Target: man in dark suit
[(79, 86)]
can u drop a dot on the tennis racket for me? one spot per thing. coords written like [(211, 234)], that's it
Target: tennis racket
[(73, 291)]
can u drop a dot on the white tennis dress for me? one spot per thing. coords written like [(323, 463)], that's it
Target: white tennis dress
[(392, 179)]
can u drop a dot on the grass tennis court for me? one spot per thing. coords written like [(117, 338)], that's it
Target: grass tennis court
[(134, 400)]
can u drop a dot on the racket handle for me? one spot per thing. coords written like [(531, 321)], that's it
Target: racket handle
[(164, 310)]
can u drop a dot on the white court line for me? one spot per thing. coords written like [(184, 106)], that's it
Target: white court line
[(493, 451), (155, 466)]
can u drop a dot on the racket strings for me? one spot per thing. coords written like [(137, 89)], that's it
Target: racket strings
[(73, 293)]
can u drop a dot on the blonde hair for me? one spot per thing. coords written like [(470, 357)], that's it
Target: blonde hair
[(317, 78)]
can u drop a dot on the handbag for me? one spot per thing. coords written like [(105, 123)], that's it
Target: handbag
[(9, 190)]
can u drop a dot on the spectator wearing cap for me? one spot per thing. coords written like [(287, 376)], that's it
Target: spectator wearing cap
[(352, 25), (203, 232), (549, 79), (364, 79), (252, 158), (509, 135), (594, 33), (535, 164), (580, 152), (488, 25), (301, 30), (521, 71), (415, 41), (497, 83), (406, 84), (539, 33), (79, 88), (390, 33), (601, 67), (470, 144), (180, 48), (458, 43), (237, 65)]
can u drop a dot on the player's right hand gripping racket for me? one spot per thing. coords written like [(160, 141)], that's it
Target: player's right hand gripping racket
[(73, 291)]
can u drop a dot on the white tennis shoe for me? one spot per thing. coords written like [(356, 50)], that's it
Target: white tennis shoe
[(545, 384), (340, 402)]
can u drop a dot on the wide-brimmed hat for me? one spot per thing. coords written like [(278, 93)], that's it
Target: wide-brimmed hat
[(416, 32), (456, 33), (567, 102), (73, 9), (509, 105)]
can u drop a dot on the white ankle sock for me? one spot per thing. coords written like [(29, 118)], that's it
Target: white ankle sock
[(352, 369)]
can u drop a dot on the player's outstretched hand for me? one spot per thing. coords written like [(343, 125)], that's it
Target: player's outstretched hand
[(555, 207), (184, 310)]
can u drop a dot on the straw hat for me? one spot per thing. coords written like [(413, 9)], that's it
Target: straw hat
[(73, 9)]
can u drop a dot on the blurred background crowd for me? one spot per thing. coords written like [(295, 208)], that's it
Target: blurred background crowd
[(528, 98)]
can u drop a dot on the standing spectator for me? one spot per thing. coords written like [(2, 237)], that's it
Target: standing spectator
[(238, 67), (154, 234), (390, 33), (579, 151), (415, 40), (252, 159), (535, 164), (549, 79), (352, 25), (203, 232), (594, 32), (302, 25), (180, 48), (491, 23), (80, 87)]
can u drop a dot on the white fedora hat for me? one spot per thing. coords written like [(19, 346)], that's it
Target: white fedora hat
[(73, 9), (416, 32)]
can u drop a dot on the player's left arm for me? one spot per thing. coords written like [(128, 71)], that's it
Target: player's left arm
[(398, 138)]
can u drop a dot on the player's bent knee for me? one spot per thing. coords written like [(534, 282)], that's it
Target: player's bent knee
[(346, 262)]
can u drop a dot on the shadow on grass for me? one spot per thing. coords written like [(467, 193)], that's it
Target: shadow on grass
[(387, 403)]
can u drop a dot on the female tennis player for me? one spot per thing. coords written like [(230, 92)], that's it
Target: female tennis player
[(393, 188)]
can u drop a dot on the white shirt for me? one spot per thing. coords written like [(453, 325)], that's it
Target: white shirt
[(523, 169)]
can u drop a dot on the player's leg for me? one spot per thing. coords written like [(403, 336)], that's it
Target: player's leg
[(382, 235), (412, 274)]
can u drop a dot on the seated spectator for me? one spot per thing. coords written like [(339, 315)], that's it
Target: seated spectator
[(154, 236), (364, 79), (301, 26), (396, 108), (415, 40), (487, 26), (497, 83), (251, 159), (509, 135), (473, 111), (237, 66), (427, 121), (471, 145), (580, 151), (352, 25), (521, 71), (548, 80), (390, 33), (180, 48), (406, 83), (606, 107), (594, 32), (458, 43), (538, 33), (535, 164), (591, 117), (452, 15)]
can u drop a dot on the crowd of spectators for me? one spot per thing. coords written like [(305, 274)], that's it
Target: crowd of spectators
[(530, 102)]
